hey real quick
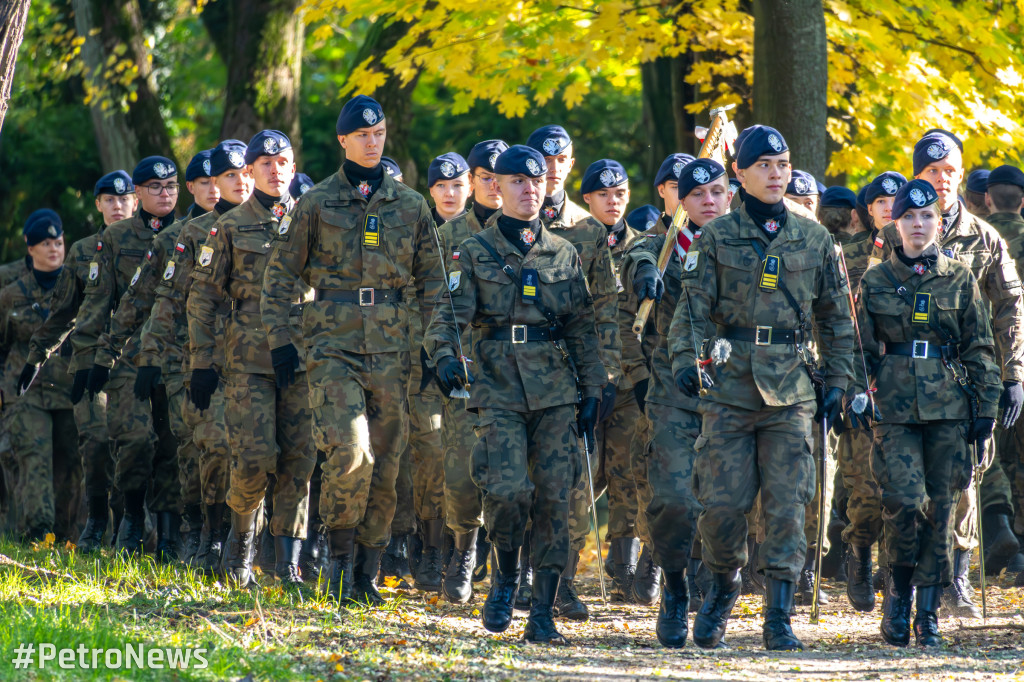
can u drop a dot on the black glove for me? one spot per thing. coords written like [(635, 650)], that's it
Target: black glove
[(865, 418), (426, 371), (981, 430), (1010, 403), (78, 385), (587, 421), (98, 377), (647, 283), (607, 401), (451, 374), (691, 380), (831, 406), (202, 384), (146, 382), (28, 374), (640, 392), (285, 360)]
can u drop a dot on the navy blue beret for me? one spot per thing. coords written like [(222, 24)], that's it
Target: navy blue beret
[(931, 148), (228, 155), (391, 167), (839, 197), (359, 112), (301, 183), (802, 184), (977, 181), (884, 185), (643, 218), (671, 167), (862, 194), (159, 167), (601, 174), (1006, 175), (698, 172), (199, 166), (956, 140), (445, 167), (484, 154), (520, 159), (41, 224), (118, 182), (266, 143), (914, 194), (760, 141), (549, 140)]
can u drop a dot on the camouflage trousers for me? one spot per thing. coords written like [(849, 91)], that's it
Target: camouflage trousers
[(269, 436), (611, 466), (361, 422), (463, 507), (404, 521), (864, 506), (811, 512), (178, 409), (426, 453), (914, 465), (638, 464), (94, 445), (996, 486), (671, 515), (145, 450), (739, 454), (210, 436), (965, 514), (1011, 450), (525, 464)]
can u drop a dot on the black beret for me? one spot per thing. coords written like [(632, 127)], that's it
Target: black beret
[(601, 174), (301, 183), (956, 140), (445, 167), (977, 181), (914, 194), (884, 185), (118, 182), (159, 167), (228, 155), (671, 167), (931, 148), (760, 141), (862, 194), (802, 184), (199, 166), (359, 112), (391, 167), (1006, 175), (549, 140), (696, 173), (521, 160), (41, 224), (839, 197), (643, 218), (266, 143), (484, 154)]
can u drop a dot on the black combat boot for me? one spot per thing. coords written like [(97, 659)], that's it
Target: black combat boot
[(1000, 542), (859, 588), (524, 598), (286, 565), (483, 550), (899, 600), (709, 624), (264, 554), (313, 553), (339, 572), (211, 549), (238, 552), (540, 627), (753, 582), (672, 627), (806, 585), (957, 597), (168, 536), (194, 518), (696, 593), (395, 562), (647, 582), (457, 586), (625, 552), (133, 523), (880, 580), (567, 601), (778, 601), (91, 538), (364, 570), (497, 612), (926, 622), (431, 566)]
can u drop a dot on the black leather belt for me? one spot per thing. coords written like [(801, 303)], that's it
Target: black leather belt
[(761, 336), (251, 305), (518, 333), (366, 296), (920, 349)]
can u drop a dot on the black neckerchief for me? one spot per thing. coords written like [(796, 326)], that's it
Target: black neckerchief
[(483, 213), (950, 220), (555, 202), (766, 215), (514, 229), (223, 206), (616, 233), (47, 280), (365, 180), (195, 210), (928, 258), (438, 220), (156, 223), (666, 220), (277, 206)]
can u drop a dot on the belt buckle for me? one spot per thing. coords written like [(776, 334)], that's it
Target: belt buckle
[(519, 333), (366, 296), (919, 349), (762, 336)]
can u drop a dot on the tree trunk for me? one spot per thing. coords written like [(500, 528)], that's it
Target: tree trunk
[(665, 95), (13, 15), (791, 77)]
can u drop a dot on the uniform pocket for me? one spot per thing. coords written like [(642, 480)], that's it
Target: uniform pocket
[(739, 281), (240, 418), (800, 280)]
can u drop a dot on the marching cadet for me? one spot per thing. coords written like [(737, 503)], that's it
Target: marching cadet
[(938, 159), (165, 335), (200, 185), (142, 456), (42, 424), (449, 186), (569, 221), (974, 193), (463, 510), (675, 422), (115, 200), (269, 431), (15, 269), (666, 184), (524, 291), (760, 275), (879, 195), (803, 189), (926, 311), (365, 243)]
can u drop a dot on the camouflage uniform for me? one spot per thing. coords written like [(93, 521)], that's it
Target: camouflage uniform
[(526, 459), (268, 429), (756, 430), (920, 452), (357, 356)]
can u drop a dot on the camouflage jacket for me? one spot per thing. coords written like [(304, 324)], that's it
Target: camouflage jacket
[(915, 390), (1010, 226), (25, 306), (13, 270), (976, 244), (721, 278), (336, 240), (231, 265), (523, 376), (631, 357), (856, 250)]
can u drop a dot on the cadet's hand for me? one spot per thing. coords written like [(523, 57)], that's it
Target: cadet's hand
[(832, 406), (640, 392), (587, 420), (202, 384), (285, 360), (607, 401), (1010, 403), (146, 381), (647, 283), (691, 380), (451, 374), (867, 415), (28, 374), (981, 430), (78, 385), (98, 377)]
